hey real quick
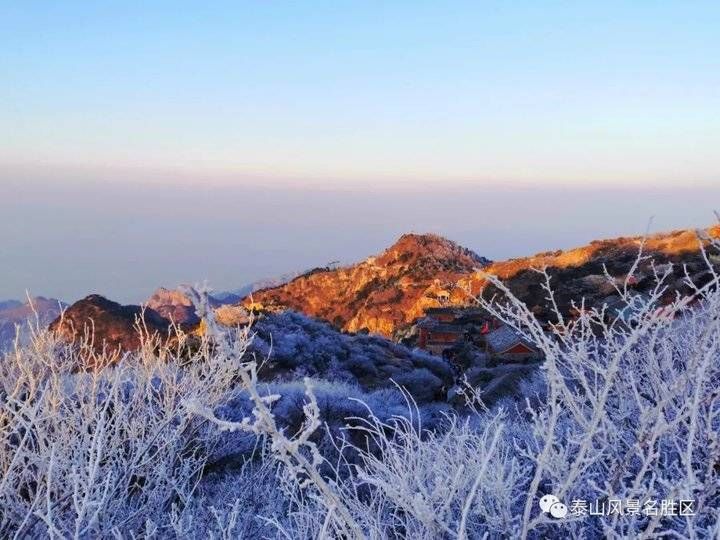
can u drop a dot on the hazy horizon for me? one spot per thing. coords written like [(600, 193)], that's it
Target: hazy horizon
[(173, 142), (124, 239)]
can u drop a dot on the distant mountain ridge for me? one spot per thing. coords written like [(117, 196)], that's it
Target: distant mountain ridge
[(14, 313), (235, 295), (388, 293), (9, 304), (385, 294)]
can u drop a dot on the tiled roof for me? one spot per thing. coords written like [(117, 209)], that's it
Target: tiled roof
[(502, 339)]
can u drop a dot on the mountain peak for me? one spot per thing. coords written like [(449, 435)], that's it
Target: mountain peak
[(411, 247), (114, 325), (18, 313), (386, 293), (383, 293), (174, 305)]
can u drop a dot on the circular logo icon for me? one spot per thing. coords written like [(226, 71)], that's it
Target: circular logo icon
[(558, 510), (547, 501), (550, 504)]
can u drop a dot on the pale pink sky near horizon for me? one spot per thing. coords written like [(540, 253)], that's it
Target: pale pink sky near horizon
[(173, 176)]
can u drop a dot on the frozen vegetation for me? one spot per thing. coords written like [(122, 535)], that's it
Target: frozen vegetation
[(192, 444), (290, 346)]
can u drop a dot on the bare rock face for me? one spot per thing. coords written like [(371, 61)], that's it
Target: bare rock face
[(232, 315), (14, 313), (580, 273), (387, 293), (114, 326), (174, 305), (383, 293)]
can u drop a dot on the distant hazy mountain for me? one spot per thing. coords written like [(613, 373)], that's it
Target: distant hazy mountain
[(235, 295), (14, 313), (7, 304)]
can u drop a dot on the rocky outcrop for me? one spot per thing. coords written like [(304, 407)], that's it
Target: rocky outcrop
[(111, 326), (383, 293), (174, 305), (177, 307), (579, 273)]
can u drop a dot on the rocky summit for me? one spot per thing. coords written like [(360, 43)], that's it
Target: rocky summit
[(174, 305), (380, 294), (111, 325), (387, 293)]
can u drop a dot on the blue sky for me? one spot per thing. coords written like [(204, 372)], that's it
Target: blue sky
[(152, 143), (349, 92)]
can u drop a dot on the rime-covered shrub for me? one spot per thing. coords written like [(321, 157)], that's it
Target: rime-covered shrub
[(631, 409), (623, 408), (107, 449), (292, 346)]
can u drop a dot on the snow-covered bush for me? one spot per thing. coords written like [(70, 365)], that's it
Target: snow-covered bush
[(626, 407), (291, 346), (632, 410), (108, 449)]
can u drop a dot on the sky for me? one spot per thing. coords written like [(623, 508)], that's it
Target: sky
[(147, 143)]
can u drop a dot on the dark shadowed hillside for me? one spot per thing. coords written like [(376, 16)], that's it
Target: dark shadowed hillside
[(112, 325)]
